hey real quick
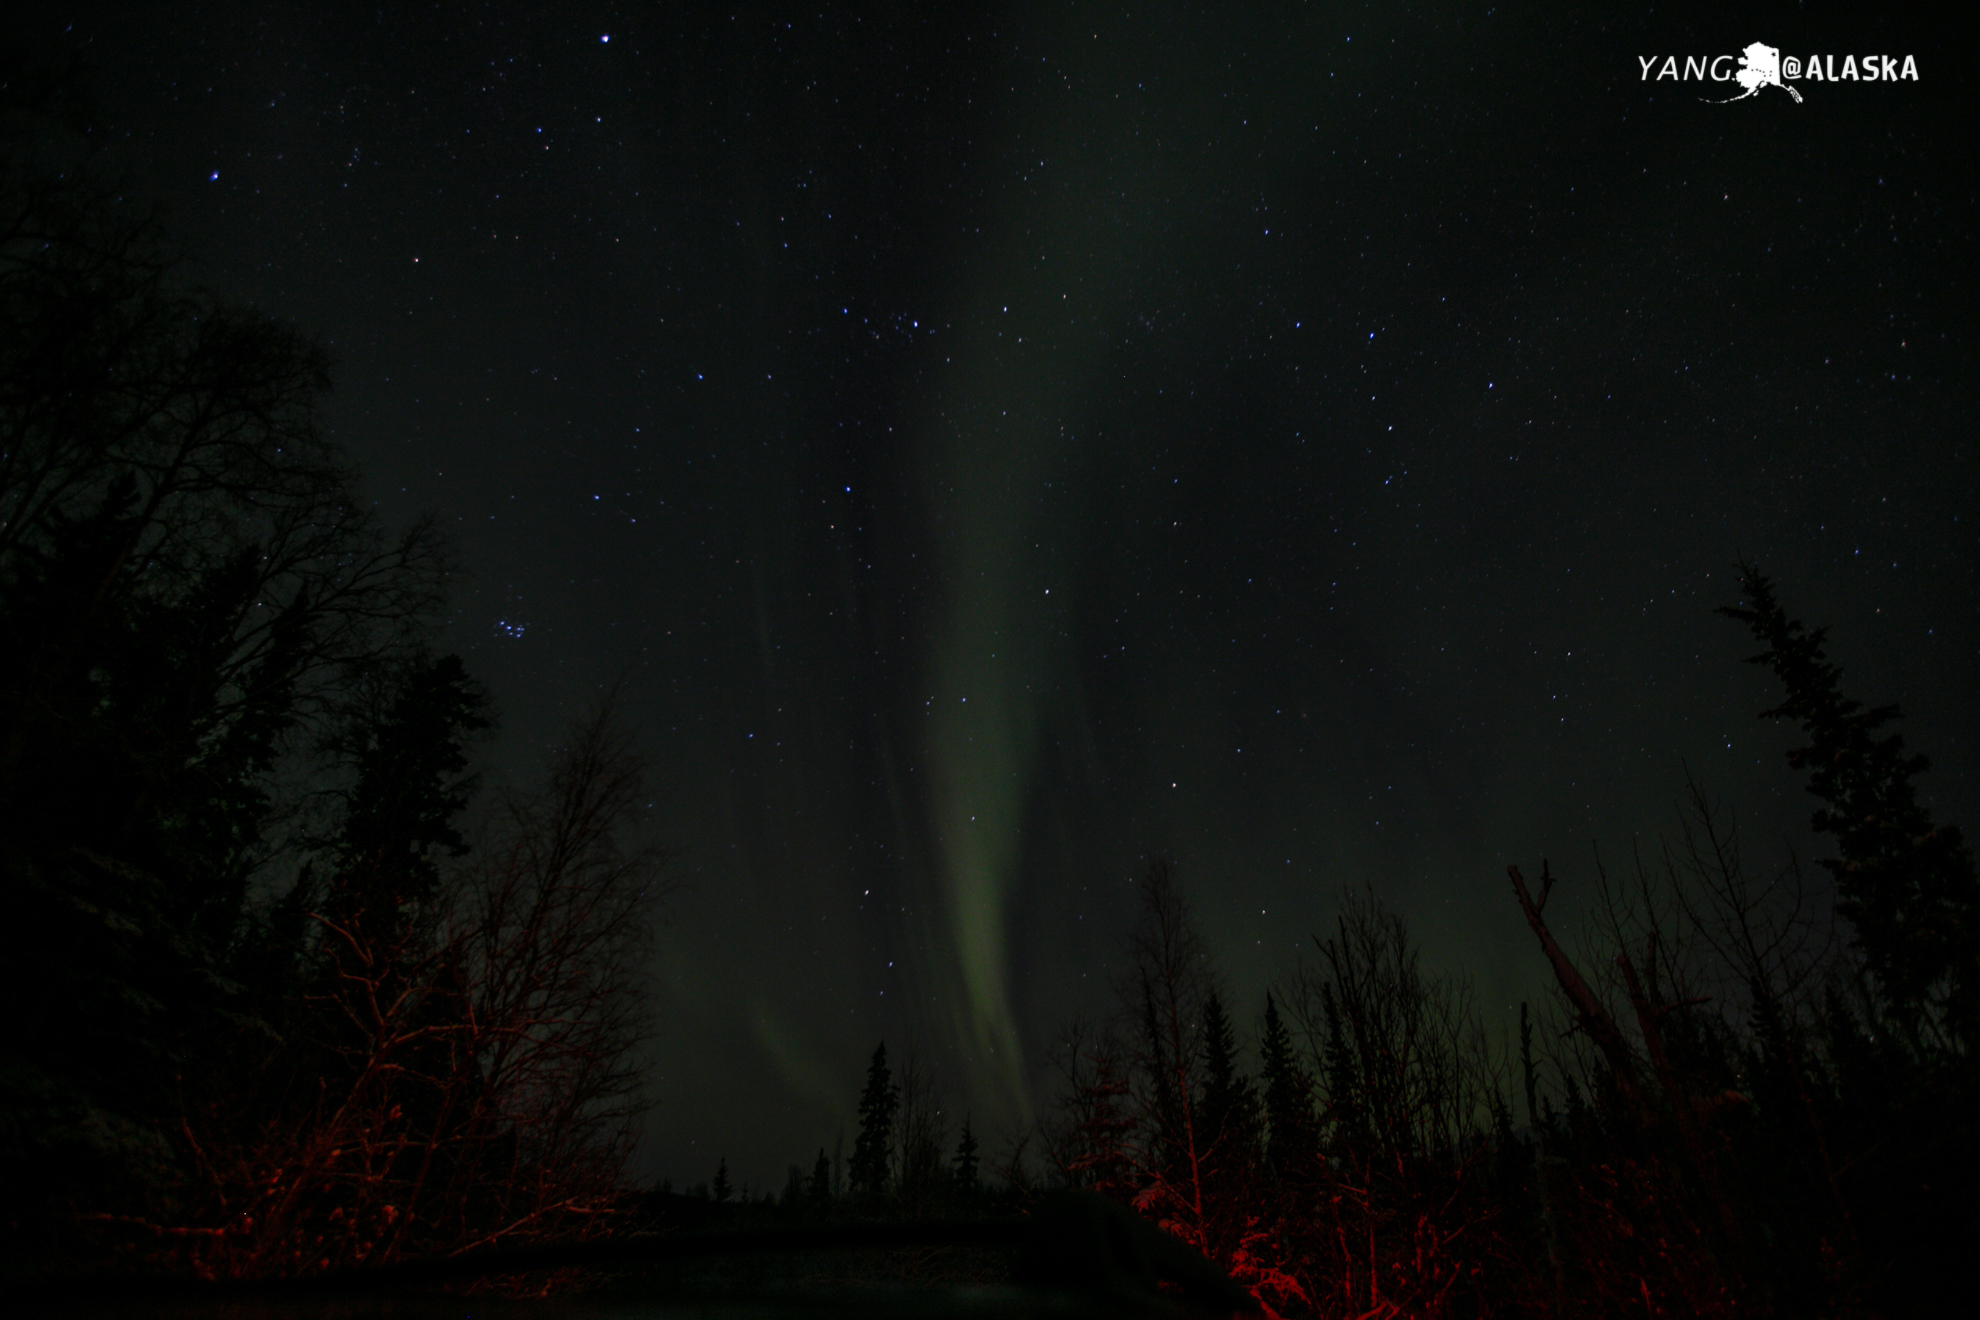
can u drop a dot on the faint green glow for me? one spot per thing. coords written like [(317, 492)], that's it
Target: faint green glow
[(982, 740), (799, 1066), (1002, 444)]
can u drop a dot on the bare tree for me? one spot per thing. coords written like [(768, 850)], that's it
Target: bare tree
[(1774, 941), (487, 1084), (1090, 1140), (188, 585), (1401, 1055), (1407, 1080), (1660, 1096), (1168, 987), (921, 1134), (1774, 945), (558, 935), (182, 431)]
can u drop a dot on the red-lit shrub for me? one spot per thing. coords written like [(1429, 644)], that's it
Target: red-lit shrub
[(461, 1074)]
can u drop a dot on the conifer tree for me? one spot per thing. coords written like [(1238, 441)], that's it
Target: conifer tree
[(1288, 1098), (720, 1186), (968, 1181), (877, 1107), (819, 1193), (1228, 1102), (412, 783), (1906, 884)]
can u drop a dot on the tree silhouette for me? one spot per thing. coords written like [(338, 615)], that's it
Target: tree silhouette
[(873, 1151), (463, 1072), (411, 785), (921, 1177), (819, 1191), (188, 587), (1746, 1117), (968, 1182), (1908, 886), (1092, 1145), (1229, 1103), (1290, 1144), (720, 1185), (1170, 985)]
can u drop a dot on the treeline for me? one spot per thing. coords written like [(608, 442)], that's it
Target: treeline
[(909, 1161), (273, 1014), (1753, 1094), (270, 1013)]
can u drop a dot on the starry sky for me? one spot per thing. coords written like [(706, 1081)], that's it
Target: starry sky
[(991, 443)]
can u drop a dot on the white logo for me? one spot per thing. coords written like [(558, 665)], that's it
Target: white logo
[(1761, 65)]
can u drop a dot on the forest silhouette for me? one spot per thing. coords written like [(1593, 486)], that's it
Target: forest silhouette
[(274, 1017)]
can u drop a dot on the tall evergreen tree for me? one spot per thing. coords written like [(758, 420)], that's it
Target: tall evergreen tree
[(877, 1106), (720, 1186), (1229, 1105), (1907, 885), (820, 1190), (967, 1179), (1288, 1099), (412, 782)]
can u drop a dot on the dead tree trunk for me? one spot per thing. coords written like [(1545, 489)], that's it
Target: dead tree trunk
[(1590, 1015)]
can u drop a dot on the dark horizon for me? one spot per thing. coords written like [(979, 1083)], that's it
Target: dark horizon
[(990, 449)]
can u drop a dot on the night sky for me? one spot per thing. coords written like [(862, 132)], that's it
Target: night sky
[(1306, 440)]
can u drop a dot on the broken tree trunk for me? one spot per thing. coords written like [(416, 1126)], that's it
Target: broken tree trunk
[(1589, 1013)]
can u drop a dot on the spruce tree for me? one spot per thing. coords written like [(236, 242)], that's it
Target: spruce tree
[(412, 783), (968, 1181), (1228, 1103), (1907, 885), (819, 1192), (720, 1186), (877, 1107), (1288, 1099)]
